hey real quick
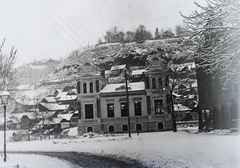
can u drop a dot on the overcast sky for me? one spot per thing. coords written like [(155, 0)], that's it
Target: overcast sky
[(42, 29)]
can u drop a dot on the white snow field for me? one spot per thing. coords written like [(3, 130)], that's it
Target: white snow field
[(156, 149), (33, 161)]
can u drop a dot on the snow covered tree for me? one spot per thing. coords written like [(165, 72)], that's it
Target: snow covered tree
[(9, 75), (216, 38)]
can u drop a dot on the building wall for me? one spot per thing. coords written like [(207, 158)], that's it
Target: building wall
[(148, 121), (117, 102), (218, 103)]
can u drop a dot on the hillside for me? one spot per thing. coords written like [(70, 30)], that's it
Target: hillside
[(54, 74)]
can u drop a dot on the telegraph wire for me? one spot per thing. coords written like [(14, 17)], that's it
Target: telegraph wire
[(76, 20), (69, 18), (57, 23), (34, 25), (72, 21), (49, 27), (65, 22)]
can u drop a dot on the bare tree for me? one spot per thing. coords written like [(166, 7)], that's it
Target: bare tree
[(174, 80), (9, 74), (216, 38)]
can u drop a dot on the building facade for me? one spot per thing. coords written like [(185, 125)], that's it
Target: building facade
[(103, 107), (218, 102), (89, 84)]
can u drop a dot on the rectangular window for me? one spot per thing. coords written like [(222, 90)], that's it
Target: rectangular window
[(123, 109), (88, 111), (158, 106), (110, 109), (138, 108), (97, 85)]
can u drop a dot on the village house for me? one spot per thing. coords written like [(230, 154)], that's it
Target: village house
[(70, 100), (74, 119)]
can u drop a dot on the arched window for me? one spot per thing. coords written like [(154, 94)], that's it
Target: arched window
[(89, 129), (153, 83), (147, 82), (91, 87), (97, 86), (84, 88), (160, 82)]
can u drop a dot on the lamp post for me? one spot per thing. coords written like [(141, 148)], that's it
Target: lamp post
[(4, 100)]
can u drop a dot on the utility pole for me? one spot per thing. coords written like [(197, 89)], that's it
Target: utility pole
[(173, 116), (129, 124)]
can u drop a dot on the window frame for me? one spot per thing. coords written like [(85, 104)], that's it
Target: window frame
[(110, 112)]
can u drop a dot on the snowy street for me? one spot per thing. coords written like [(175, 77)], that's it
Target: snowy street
[(159, 149)]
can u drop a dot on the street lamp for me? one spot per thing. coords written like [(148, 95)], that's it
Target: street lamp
[(4, 101)]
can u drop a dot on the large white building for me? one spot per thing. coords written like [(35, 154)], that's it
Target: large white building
[(103, 107)]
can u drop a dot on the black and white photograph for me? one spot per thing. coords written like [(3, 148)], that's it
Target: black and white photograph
[(119, 83)]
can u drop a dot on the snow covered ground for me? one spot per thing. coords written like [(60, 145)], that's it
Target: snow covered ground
[(33, 161), (185, 148)]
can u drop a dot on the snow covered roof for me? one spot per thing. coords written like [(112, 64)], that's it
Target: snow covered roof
[(177, 95), (14, 120), (68, 97), (119, 87), (27, 102), (118, 67), (55, 106), (65, 116), (31, 115), (61, 94), (138, 72), (180, 107), (194, 84), (50, 99)]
